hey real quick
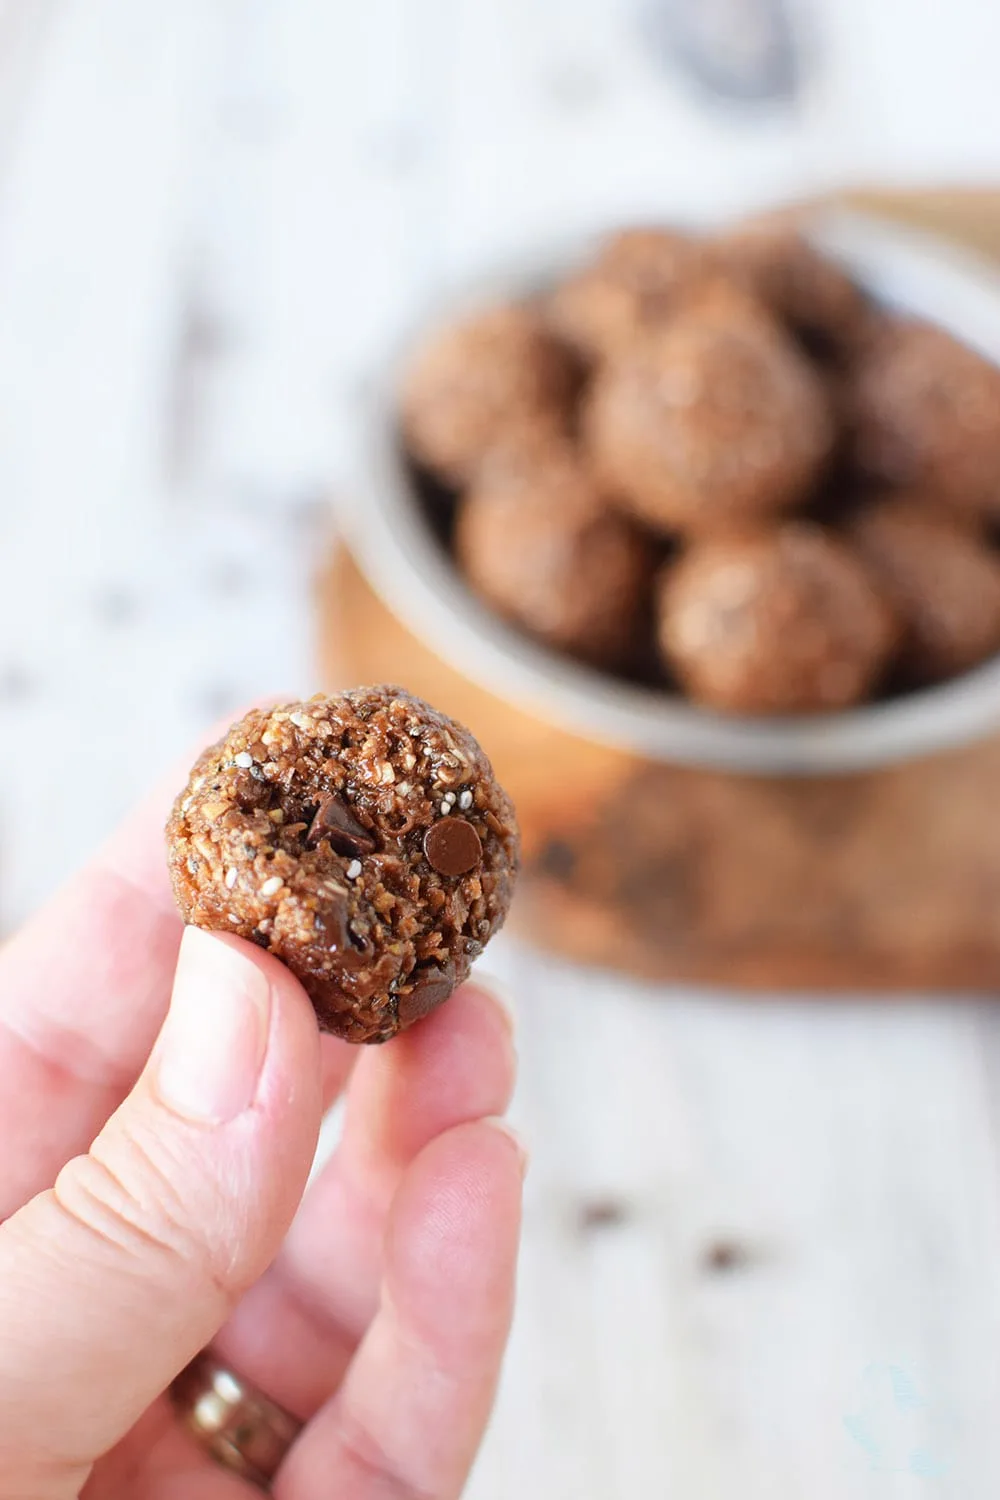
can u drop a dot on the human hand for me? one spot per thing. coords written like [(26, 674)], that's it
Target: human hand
[(376, 1312)]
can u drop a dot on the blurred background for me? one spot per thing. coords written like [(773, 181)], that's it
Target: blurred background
[(763, 1242)]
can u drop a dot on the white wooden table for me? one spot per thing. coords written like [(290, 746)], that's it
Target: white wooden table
[(762, 1251)]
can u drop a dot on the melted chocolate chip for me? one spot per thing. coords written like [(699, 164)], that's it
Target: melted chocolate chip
[(331, 919), (335, 822), (452, 846), (430, 987), (251, 794)]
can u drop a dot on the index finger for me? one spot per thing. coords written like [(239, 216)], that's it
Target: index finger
[(84, 988)]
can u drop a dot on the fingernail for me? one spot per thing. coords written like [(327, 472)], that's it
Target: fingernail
[(500, 995), (207, 1061), (496, 1122)]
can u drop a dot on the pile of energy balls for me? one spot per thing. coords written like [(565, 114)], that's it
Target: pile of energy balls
[(715, 465)]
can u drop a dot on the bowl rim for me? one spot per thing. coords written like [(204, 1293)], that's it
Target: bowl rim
[(910, 270)]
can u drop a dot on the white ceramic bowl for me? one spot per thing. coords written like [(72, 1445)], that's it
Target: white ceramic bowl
[(389, 538)]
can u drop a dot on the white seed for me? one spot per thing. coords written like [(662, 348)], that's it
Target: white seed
[(272, 885), (230, 877), (403, 788), (388, 774), (409, 760), (445, 807), (233, 917), (465, 801), (301, 721), (244, 760), (353, 869)]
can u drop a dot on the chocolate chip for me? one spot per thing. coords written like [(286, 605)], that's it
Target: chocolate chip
[(452, 846), (430, 987), (251, 792), (331, 919), (334, 821)]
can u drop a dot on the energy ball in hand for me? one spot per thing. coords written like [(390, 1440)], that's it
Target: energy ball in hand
[(537, 541), (363, 839), (636, 283), (709, 427), (810, 293), (941, 578), (477, 382), (925, 412), (783, 622)]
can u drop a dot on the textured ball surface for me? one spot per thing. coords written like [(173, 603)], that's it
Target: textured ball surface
[(363, 839), (940, 577), (635, 285), (709, 426), (537, 541), (925, 412), (807, 290), (786, 621), (475, 383)]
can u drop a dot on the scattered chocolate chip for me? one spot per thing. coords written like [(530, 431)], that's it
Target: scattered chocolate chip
[(430, 987), (725, 1255), (602, 1213), (335, 822), (452, 846)]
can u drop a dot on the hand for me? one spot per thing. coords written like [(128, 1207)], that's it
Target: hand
[(151, 1172)]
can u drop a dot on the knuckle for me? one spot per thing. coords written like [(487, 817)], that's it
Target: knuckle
[(129, 1200), (363, 1450)]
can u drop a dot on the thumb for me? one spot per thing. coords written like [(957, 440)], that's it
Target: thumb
[(113, 1280)]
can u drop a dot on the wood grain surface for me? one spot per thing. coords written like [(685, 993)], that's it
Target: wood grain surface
[(762, 1250)]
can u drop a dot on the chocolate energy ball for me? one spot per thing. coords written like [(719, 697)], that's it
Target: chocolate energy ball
[(537, 541), (473, 383), (362, 839), (941, 578), (783, 622), (809, 292), (925, 413), (708, 426), (634, 286), (722, 303)]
